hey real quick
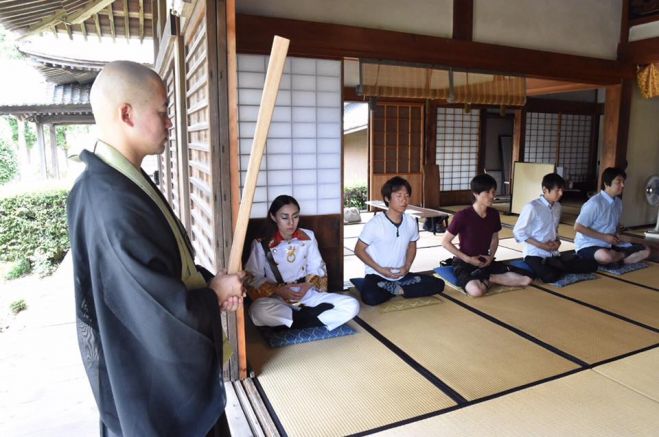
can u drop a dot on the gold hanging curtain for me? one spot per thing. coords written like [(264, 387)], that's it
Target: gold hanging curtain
[(385, 80), (648, 81)]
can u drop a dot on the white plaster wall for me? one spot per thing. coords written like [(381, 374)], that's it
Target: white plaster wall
[(355, 158), (425, 17), (578, 27), (644, 31), (643, 159)]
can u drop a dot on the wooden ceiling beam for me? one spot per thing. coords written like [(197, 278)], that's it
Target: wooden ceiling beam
[(126, 19), (642, 52), (63, 16), (141, 12), (67, 27), (97, 24), (110, 15), (538, 87), (254, 35)]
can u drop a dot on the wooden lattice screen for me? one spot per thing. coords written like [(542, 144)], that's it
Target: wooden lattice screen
[(199, 141), (173, 188), (560, 139), (457, 147), (397, 131)]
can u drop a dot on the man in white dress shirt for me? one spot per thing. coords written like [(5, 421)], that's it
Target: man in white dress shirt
[(598, 225), (537, 229)]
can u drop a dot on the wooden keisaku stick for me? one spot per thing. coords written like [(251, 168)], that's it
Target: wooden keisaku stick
[(267, 107)]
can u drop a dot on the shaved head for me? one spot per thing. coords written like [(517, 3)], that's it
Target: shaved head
[(121, 82), (129, 103)]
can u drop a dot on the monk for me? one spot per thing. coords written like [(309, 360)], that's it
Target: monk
[(148, 318)]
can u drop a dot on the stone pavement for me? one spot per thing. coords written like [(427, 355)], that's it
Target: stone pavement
[(43, 386)]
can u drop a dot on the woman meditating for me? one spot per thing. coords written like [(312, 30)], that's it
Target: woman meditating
[(288, 286)]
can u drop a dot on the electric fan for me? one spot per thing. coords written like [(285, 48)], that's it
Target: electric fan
[(652, 196)]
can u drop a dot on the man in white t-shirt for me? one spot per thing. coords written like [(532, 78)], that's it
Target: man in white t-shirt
[(387, 245)]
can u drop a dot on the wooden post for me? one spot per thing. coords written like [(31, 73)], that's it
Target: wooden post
[(41, 146), (23, 151), (232, 97), (519, 131), (268, 98), (53, 151), (616, 125)]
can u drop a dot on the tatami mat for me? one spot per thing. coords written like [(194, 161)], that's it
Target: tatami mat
[(504, 254), (566, 231), (341, 386), (583, 404), (627, 300), (509, 219), (639, 372), (648, 276), (587, 334), (505, 233), (460, 348)]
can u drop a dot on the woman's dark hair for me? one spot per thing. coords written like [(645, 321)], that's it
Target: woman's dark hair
[(270, 227), (553, 180), (482, 182), (392, 185), (610, 174)]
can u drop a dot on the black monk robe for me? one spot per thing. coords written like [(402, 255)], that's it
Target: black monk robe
[(151, 348)]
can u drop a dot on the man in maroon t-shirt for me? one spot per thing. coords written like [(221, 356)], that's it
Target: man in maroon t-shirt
[(478, 229)]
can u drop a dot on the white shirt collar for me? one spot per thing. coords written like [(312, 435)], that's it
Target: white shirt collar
[(545, 202), (607, 196)]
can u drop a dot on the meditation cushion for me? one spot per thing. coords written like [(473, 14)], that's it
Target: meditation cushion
[(285, 337), (621, 270), (399, 303)]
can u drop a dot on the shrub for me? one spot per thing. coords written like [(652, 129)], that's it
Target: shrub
[(20, 268), (34, 226), (355, 196), (8, 163), (17, 306)]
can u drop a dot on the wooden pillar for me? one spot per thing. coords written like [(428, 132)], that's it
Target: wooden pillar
[(23, 152), (616, 125), (181, 126), (519, 132), (41, 147), (431, 196), (52, 138), (232, 99)]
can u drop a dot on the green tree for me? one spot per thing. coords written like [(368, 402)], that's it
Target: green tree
[(8, 162), (7, 46)]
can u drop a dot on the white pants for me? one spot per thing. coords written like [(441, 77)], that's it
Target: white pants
[(274, 311)]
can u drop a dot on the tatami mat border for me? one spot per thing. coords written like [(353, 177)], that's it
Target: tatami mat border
[(618, 278), (467, 404), (412, 362), (497, 395), (596, 308), (518, 331), (268, 406)]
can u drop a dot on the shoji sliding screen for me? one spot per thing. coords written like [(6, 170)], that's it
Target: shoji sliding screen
[(303, 150), (561, 139), (457, 147)]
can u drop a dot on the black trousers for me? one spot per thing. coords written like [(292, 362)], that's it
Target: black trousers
[(374, 295), (552, 268)]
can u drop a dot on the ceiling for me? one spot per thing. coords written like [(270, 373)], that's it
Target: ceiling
[(65, 18)]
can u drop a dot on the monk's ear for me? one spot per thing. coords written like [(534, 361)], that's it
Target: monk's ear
[(127, 114)]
